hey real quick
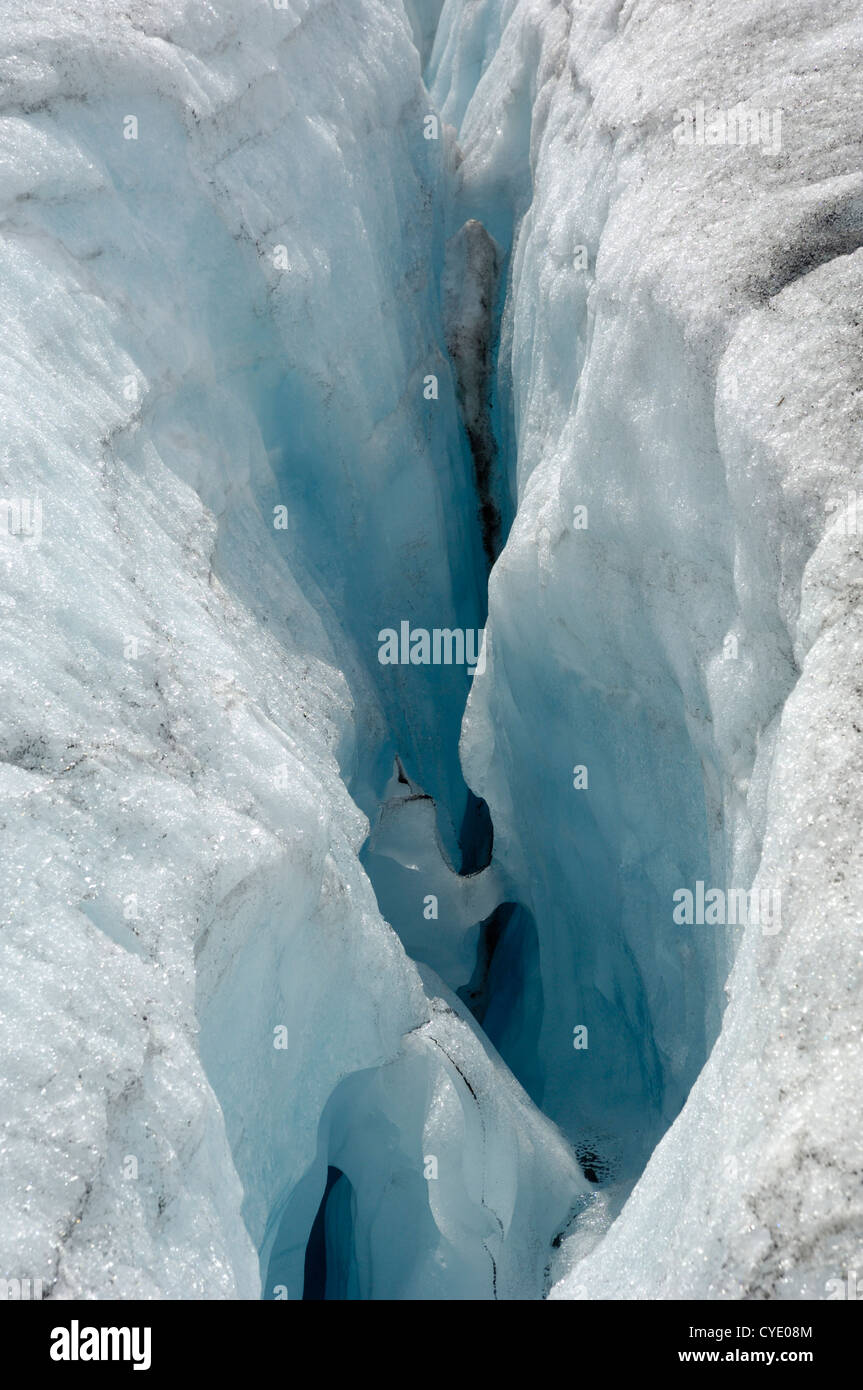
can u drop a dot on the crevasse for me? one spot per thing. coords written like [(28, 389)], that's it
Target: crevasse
[(241, 483), (240, 1058)]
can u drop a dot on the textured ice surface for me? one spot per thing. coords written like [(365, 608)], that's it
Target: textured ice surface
[(680, 356), (457, 1180), (222, 241), (230, 261)]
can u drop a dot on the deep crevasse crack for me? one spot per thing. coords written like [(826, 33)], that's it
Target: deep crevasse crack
[(226, 267)]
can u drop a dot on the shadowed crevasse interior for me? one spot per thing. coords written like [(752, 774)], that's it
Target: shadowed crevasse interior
[(613, 1102)]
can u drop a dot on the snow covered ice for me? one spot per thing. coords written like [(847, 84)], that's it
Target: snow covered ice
[(313, 316)]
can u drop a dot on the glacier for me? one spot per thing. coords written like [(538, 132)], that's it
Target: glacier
[(329, 977), (675, 612)]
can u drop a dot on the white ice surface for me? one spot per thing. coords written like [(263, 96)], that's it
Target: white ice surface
[(697, 388), (231, 313)]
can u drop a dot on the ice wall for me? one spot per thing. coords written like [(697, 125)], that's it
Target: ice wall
[(222, 241), (673, 624)]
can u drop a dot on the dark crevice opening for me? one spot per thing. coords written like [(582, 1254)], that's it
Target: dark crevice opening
[(315, 1269), (476, 836), (476, 993)]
